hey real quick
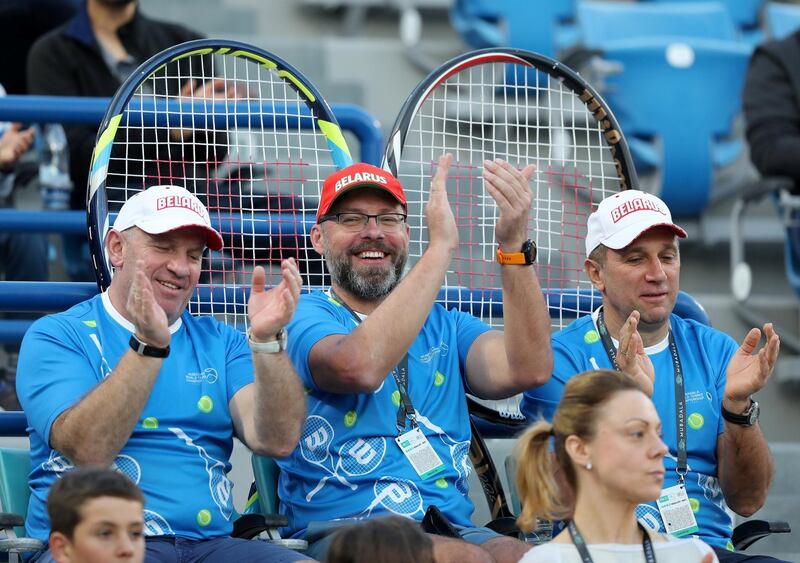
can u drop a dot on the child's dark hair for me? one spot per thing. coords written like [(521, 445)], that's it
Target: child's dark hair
[(71, 492), (390, 539)]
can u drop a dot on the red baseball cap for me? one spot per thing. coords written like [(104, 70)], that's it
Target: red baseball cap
[(360, 175)]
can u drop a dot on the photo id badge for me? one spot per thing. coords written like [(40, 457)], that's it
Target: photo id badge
[(676, 512), (420, 453)]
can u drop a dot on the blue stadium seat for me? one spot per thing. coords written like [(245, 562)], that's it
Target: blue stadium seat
[(781, 19), (542, 26), (15, 464), (603, 23), (677, 103), (745, 14)]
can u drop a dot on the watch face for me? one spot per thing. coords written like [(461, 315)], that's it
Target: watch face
[(755, 410), (529, 250)]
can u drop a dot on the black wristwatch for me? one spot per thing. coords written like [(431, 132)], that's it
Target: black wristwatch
[(144, 349), (747, 418), (524, 257)]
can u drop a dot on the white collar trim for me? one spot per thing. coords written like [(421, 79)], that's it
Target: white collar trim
[(125, 323), (649, 350)]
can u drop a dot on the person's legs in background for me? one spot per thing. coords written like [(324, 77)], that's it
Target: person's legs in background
[(23, 257), (77, 261)]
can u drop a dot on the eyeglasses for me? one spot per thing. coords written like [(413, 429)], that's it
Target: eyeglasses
[(358, 221)]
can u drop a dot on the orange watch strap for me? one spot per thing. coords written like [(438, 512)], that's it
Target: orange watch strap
[(511, 258)]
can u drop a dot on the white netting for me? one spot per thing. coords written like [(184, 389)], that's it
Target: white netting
[(496, 106), (253, 153), (510, 111)]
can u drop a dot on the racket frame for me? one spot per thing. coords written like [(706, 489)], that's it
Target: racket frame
[(308, 93)]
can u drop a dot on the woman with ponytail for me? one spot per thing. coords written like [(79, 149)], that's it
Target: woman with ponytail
[(599, 459)]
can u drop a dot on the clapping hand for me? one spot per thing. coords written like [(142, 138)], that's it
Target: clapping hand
[(631, 357), (270, 310), (438, 213), (147, 315), (747, 373), (509, 188)]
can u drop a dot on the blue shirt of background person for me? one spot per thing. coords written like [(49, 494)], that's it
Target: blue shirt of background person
[(634, 261)]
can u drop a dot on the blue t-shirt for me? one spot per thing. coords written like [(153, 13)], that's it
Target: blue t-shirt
[(179, 451), (704, 354), (347, 464)]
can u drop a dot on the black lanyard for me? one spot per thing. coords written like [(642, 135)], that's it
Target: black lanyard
[(680, 393), (400, 373), (580, 545)]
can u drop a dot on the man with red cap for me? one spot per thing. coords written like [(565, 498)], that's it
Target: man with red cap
[(131, 379), (699, 379), (386, 368)]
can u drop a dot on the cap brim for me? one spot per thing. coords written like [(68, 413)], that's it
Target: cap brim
[(626, 236), (213, 238), (348, 189)]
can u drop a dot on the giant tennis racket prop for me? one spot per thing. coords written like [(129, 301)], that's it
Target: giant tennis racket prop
[(526, 109), (244, 131)]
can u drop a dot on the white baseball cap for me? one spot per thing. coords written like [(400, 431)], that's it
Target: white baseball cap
[(623, 217), (161, 209)]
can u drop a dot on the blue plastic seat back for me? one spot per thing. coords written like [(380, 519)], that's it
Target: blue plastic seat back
[(601, 23), (542, 26), (15, 466), (782, 19), (745, 13), (684, 97), (687, 307)]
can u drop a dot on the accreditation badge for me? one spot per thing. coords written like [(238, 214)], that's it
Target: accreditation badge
[(420, 453), (676, 511)]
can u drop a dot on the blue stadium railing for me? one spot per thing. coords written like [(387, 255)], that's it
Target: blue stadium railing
[(64, 109), (46, 297)]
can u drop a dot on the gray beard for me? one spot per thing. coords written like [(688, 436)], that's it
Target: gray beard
[(373, 285)]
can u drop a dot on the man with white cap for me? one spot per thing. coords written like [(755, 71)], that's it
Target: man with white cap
[(387, 368), (131, 379), (699, 379)]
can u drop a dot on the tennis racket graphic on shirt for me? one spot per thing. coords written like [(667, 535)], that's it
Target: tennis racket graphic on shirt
[(526, 109), (219, 485), (399, 496), (245, 132), (128, 466), (156, 525), (315, 444), (357, 456)]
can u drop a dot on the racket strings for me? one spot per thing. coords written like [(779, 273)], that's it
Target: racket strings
[(240, 137), (524, 116)]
